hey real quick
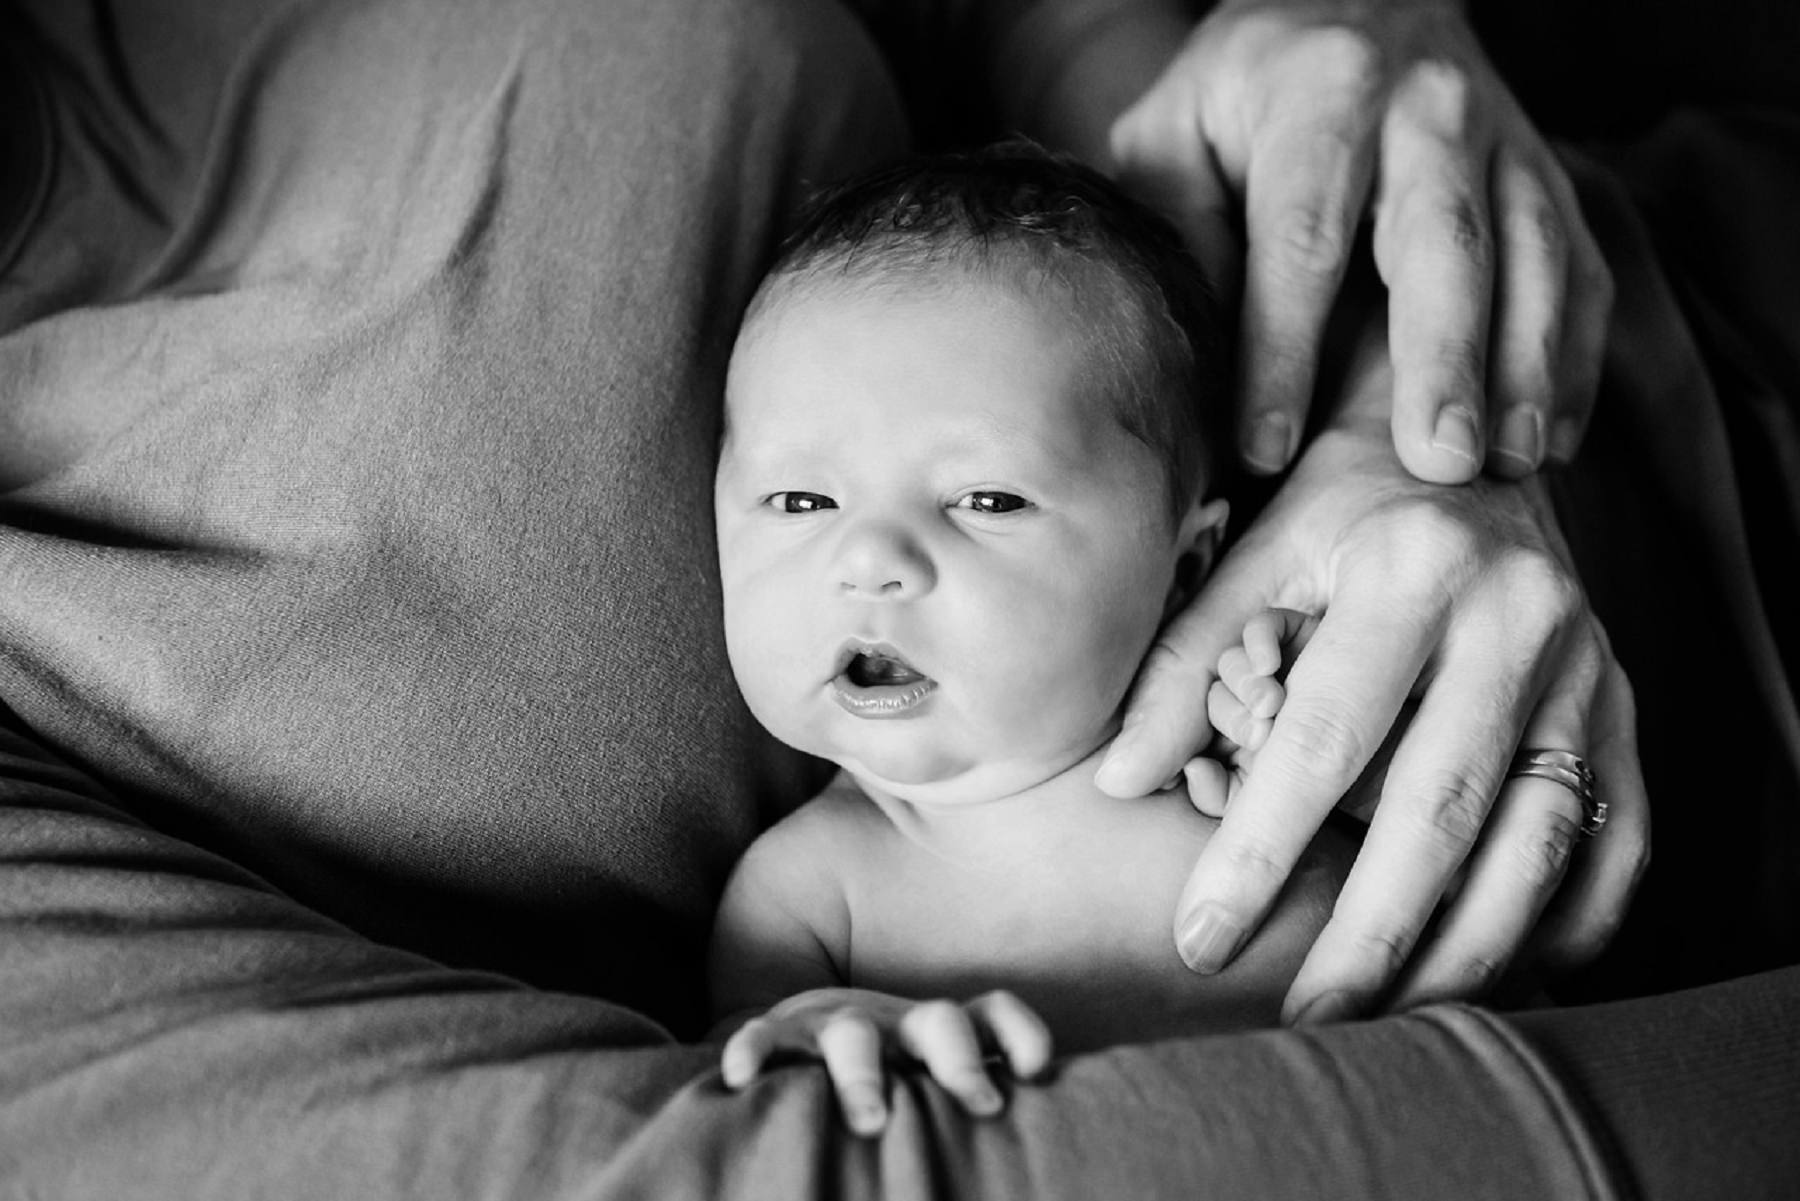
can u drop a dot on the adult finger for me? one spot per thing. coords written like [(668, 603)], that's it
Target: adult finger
[(1162, 156), (1342, 696), (1017, 1030), (1519, 862), (1530, 286), (1446, 770), (1592, 902), (850, 1045), (1589, 314), (941, 1035), (1434, 248), (1305, 190)]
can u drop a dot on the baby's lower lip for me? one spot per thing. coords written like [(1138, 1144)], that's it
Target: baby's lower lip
[(881, 700)]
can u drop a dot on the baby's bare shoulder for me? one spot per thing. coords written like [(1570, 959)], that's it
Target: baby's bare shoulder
[(824, 836)]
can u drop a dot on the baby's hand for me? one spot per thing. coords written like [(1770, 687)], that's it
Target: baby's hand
[(1243, 703), (853, 1029)]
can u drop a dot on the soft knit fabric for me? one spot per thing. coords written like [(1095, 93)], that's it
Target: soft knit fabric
[(369, 763)]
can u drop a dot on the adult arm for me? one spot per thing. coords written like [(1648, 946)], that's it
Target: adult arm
[(176, 1029)]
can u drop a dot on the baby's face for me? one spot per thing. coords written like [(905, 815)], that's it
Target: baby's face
[(943, 556)]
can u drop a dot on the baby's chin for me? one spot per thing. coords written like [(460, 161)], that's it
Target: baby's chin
[(953, 781)]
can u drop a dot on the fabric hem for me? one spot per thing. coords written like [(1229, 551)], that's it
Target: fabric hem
[(1587, 1148)]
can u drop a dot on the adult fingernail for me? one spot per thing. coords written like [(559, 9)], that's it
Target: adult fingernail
[(1271, 442), (1565, 440), (1456, 433), (1209, 939), (1114, 772), (984, 1102), (1325, 1007), (1522, 436)]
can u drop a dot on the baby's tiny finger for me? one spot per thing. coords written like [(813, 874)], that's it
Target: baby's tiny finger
[(851, 1047), (941, 1035), (1018, 1031), (1208, 785), (745, 1052), (1262, 642), (1227, 713), (1236, 670)]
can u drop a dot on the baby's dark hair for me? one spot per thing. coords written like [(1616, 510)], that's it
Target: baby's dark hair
[(1017, 207)]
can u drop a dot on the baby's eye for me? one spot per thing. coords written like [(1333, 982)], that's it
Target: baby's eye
[(801, 502), (993, 502)]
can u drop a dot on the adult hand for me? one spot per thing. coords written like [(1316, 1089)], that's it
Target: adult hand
[(1311, 113), (1462, 600)]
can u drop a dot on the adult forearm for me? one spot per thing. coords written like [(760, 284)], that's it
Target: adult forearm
[(170, 1028)]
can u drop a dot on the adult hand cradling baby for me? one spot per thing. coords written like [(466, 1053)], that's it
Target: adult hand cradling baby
[(372, 766), (1308, 118)]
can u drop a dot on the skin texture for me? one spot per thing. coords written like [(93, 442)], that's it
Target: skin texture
[(1312, 116), (1455, 614), (930, 404), (1276, 133), (965, 853)]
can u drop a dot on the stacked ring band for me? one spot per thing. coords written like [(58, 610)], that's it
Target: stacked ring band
[(1572, 772)]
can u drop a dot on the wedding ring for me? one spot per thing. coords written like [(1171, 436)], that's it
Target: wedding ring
[(1572, 772)]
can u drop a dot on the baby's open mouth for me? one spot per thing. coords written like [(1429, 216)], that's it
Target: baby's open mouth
[(875, 680), (872, 669)]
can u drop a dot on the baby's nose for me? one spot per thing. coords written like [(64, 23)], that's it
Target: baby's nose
[(881, 561)]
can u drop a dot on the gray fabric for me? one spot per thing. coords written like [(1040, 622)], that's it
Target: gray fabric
[(174, 1029), (358, 650)]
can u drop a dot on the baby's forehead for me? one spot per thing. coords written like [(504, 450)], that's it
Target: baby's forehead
[(1043, 298)]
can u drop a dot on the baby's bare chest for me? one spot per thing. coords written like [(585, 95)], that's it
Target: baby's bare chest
[(1083, 933)]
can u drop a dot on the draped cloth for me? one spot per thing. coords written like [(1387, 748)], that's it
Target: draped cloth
[(369, 760)]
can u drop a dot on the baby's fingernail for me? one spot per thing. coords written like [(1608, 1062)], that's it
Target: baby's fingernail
[(867, 1117), (1325, 1007), (1522, 436), (1456, 433), (1270, 444), (1209, 939)]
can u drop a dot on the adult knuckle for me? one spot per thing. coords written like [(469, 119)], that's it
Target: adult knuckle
[(1449, 807), (1386, 948), (1422, 548), (1541, 859), (1331, 743), (1540, 583), (1310, 241), (1340, 56), (1257, 862), (1446, 96), (1477, 972)]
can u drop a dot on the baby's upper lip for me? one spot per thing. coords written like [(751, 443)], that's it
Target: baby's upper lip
[(853, 647)]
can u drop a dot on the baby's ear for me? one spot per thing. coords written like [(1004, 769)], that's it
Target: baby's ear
[(1197, 540), (1202, 530)]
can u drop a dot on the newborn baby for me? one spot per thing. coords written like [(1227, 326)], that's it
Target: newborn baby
[(964, 479)]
